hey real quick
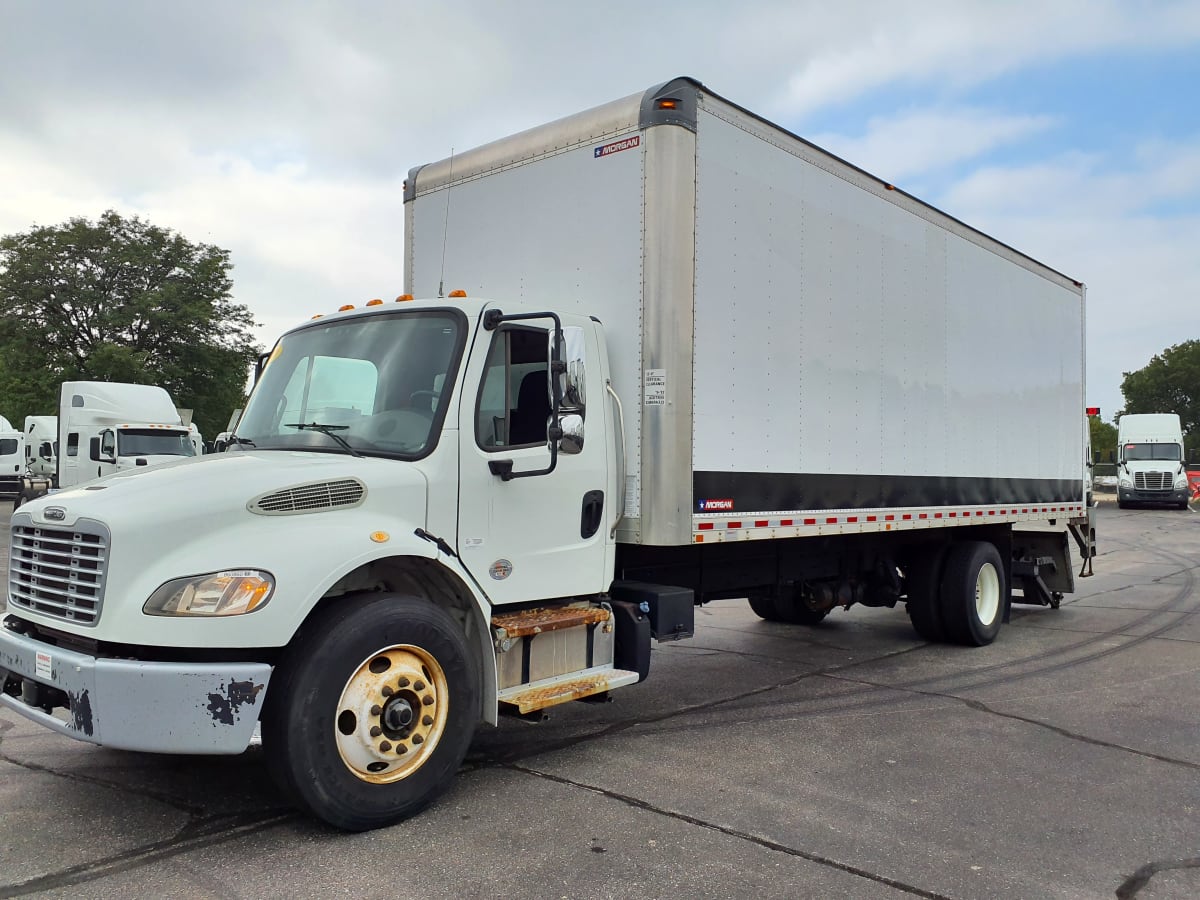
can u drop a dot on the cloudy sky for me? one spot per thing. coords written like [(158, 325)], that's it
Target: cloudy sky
[(283, 131)]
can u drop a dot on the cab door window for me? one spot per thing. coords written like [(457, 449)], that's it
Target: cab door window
[(513, 409)]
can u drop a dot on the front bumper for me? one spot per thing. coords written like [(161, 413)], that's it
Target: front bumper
[(155, 707), (1132, 495)]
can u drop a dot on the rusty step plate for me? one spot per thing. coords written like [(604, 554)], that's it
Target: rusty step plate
[(547, 618), (530, 697)]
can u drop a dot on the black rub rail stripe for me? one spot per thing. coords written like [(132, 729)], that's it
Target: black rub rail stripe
[(773, 491)]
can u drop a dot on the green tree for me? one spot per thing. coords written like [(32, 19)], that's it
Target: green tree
[(1104, 439), (1170, 382), (121, 300)]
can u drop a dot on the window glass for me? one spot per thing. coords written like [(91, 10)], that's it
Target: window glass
[(73, 444), (150, 442), (8, 446), (514, 403), (1166, 452), (379, 384)]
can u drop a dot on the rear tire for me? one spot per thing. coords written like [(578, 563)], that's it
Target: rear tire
[(923, 583), (764, 607), (371, 710), (973, 593)]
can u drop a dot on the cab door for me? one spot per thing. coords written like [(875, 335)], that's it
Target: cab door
[(531, 536)]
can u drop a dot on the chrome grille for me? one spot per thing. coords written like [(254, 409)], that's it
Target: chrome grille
[(59, 571), (1152, 481), (310, 498)]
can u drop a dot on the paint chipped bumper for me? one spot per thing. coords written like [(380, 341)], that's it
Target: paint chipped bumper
[(155, 707)]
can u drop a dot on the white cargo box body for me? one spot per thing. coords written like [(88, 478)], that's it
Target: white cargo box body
[(800, 348)]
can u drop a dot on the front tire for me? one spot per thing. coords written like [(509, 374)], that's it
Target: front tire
[(973, 593), (372, 710)]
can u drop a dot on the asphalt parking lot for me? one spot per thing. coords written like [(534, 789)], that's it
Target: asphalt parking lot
[(758, 760)]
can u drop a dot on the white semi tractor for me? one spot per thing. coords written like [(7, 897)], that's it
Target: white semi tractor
[(102, 428), (41, 446), (720, 363), (1151, 467), (12, 458)]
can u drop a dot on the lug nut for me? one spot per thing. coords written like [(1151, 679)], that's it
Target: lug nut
[(427, 721), (417, 739), (427, 700), (386, 690), (376, 709), (376, 731), (403, 682), (419, 686), (385, 746)]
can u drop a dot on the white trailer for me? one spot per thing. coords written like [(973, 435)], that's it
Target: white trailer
[(721, 363), (12, 458), (1150, 468)]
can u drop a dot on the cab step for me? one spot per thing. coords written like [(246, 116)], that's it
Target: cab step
[(527, 698)]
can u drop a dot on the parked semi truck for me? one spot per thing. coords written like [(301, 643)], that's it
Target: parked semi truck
[(718, 362), (12, 458), (1151, 467), (104, 427)]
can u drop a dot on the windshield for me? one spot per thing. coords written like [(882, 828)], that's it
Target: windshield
[(379, 383), (153, 442), (1168, 452)]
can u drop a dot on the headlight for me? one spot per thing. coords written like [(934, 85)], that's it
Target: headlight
[(1126, 481), (1181, 481), (229, 593)]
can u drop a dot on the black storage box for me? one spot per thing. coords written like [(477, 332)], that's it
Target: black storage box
[(671, 609)]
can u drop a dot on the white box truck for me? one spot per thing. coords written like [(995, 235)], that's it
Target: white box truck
[(721, 364), (12, 458), (1151, 468)]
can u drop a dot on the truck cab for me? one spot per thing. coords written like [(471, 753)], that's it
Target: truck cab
[(107, 427), (1150, 465), (12, 458)]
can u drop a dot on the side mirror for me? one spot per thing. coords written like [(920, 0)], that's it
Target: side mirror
[(567, 367), (571, 441), (94, 449)]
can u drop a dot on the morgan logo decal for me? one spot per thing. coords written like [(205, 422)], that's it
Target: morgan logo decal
[(716, 505), (56, 513), (500, 569), (617, 146)]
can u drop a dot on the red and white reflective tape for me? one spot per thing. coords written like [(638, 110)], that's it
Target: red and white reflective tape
[(720, 526)]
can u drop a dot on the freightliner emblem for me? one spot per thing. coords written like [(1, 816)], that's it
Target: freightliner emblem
[(57, 513)]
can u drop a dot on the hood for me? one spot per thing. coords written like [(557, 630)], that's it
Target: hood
[(209, 489)]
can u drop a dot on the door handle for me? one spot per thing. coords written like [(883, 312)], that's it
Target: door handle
[(593, 513)]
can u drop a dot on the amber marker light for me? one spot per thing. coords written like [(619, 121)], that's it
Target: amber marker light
[(669, 103), (375, 302), (318, 316), (380, 537), (404, 298), (346, 307), (458, 294)]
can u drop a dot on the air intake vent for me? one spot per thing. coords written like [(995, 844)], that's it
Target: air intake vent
[(306, 498)]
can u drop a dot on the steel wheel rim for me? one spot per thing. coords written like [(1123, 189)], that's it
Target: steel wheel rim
[(987, 594), (391, 714)]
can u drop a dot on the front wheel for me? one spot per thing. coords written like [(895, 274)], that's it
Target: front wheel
[(972, 593), (372, 710)]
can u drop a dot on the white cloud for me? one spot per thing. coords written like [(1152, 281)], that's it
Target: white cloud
[(919, 141)]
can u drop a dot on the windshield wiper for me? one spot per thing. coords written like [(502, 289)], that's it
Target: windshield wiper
[(331, 430), (240, 441)]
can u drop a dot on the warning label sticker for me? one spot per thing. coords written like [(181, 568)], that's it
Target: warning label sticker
[(654, 387)]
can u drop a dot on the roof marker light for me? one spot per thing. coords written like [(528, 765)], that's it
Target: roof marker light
[(667, 103), (346, 307), (375, 302), (458, 294), (319, 316), (404, 298)]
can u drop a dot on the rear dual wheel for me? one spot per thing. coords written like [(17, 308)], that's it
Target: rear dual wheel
[(958, 593), (786, 605)]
